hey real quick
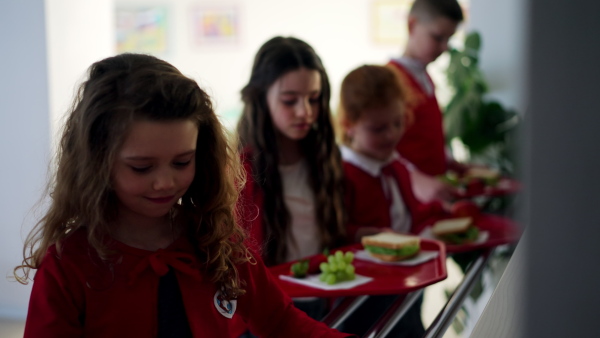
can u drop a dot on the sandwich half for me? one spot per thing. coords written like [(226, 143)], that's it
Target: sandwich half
[(487, 175), (456, 230), (391, 247)]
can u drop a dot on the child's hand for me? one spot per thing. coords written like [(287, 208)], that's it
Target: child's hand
[(428, 188), (465, 208), (458, 167), (447, 206)]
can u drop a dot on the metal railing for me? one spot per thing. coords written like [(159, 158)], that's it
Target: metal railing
[(398, 309), (341, 312), (394, 313), (440, 324)]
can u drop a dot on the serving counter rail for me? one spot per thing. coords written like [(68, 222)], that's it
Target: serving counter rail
[(451, 307)]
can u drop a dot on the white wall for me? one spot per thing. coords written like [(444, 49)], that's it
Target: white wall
[(24, 137), (502, 26), (79, 33), (47, 49)]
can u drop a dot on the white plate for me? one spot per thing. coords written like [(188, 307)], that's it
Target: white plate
[(313, 281), (422, 257), (481, 238)]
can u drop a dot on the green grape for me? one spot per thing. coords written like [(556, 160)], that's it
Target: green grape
[(330, 279), (338, 268), (349, 257), (324, 267)]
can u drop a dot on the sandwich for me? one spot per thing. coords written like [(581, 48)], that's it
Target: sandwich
[(489, 176), (391, 247), (456, 230)]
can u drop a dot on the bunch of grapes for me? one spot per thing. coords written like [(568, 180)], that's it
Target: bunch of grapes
[(338, 268)]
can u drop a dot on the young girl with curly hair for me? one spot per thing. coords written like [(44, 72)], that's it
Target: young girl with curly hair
[(141, 238)]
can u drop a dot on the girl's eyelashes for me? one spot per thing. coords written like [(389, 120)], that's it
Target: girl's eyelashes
[(292, 102), (145, 169), (377, 129), (140, 169), (182, 164)]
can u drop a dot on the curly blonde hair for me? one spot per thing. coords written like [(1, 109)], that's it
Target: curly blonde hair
[(119, 91)]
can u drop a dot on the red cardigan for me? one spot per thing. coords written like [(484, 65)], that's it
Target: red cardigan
[(250, 207), (423, 141), (367, 205), (75, 294)]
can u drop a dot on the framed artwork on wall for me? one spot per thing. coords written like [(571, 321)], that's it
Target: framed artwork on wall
[(388, 19), (217, 24), (141, 29)]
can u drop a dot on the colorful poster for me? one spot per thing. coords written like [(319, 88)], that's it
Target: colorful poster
[(142, 30), (217, 24)]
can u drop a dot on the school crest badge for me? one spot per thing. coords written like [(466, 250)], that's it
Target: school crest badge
[(224, 306)]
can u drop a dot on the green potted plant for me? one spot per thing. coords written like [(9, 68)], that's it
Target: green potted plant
[(483, 125)]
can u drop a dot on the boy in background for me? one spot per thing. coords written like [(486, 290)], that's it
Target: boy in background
[(431, 23)]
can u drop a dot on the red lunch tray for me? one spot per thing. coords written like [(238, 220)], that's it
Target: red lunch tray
[(387, 279), (505, 186), (501, 230)]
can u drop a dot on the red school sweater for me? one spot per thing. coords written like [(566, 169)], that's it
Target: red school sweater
[(367, 205), (250, 208), (423, 142), (76, 294)]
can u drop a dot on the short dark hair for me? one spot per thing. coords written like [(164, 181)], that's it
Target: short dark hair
[(430, 9)]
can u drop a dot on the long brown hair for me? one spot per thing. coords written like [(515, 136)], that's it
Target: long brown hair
[(275, 58), (119, 91)]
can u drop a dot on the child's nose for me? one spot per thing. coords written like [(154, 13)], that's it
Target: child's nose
[(164, 180), (304, 109), (392, 133)]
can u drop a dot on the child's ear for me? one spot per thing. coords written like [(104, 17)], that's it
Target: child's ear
[(412, 21), (347, 127)]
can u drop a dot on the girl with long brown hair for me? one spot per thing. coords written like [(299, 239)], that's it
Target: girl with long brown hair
[(289, 150), (287, 121)]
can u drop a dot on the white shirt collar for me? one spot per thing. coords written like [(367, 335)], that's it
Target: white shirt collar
[(370, 165), (411, 63), (418, 71)]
